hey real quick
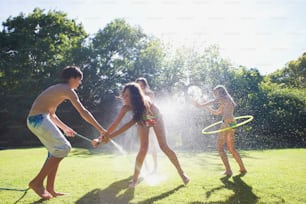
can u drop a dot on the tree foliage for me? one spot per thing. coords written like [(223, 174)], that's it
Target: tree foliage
[(293, 75), (35, 48), (119, 53), (33, 51)]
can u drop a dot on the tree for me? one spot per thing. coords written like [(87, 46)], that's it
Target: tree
[(293, 75), (119, 54), (187, 66), (284, 105), (149, 62), (33, 51), (283, 116), (35, 47)]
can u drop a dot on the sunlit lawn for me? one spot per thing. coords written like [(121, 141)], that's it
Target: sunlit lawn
[(275, 176)]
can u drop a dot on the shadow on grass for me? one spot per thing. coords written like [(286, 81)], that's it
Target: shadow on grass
[(85, 153), (161, 196), (243, 154), (242, 192), (40, 201), (80, 152), (117, 192)]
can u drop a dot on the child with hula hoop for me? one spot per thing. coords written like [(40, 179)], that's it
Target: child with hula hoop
[(146, 115), (226, 109)]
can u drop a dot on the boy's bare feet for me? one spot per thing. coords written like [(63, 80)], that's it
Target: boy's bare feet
[(185, 179), (40, 190), (56, 194)]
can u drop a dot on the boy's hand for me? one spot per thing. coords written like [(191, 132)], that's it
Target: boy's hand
[(96, 142), (69, 132)]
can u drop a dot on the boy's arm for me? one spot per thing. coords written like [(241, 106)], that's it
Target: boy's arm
[(118, 119), (85, 114), (67, 130)]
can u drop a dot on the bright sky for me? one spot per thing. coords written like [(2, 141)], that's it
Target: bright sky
[(265, 34)]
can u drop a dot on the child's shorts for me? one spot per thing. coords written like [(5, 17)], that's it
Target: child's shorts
[(49, 134)]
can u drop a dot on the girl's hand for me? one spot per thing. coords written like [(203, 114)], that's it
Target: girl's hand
[(69, 132), (105, 138), (102, 132)]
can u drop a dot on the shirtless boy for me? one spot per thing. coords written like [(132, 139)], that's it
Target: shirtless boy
[(43, 122)]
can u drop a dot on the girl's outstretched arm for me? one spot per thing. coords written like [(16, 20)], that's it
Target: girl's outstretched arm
[(118, 119), (205, 104), (209, 103), (105, 138), (121, 130), (215, 112)]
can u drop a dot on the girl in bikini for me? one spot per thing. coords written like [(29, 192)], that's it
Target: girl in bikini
[(146, 115), (144, 85)]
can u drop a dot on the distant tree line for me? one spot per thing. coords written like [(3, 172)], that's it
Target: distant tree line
[(35, 48)]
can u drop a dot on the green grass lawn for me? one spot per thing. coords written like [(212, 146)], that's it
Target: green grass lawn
[(274, 176)]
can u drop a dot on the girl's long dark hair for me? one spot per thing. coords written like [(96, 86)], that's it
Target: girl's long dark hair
[(138, 103)]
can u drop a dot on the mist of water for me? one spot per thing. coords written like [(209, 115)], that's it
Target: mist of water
[(184, 122), (119, 148)]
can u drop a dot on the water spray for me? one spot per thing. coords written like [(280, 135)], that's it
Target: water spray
[(121, 150)]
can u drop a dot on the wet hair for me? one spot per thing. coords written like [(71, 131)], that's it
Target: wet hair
[(222, 91), (138, 103), (144, 81), (71, 72), (147, 90)]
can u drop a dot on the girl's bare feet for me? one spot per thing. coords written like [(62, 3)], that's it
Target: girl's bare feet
[(133, 184), (40, 190), (228, 173)]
